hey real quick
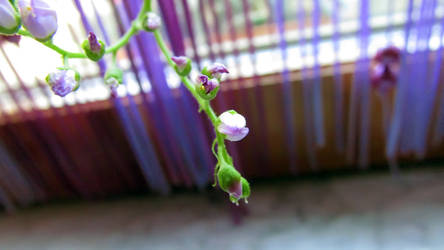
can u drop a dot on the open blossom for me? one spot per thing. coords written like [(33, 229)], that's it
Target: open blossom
[(183, 65), (216, 70), (152, 21), (233, 125), (38, 18), (385, 68), (63, 81), (9, 18)]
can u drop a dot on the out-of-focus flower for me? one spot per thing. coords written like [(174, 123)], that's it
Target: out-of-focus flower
[(94, 49), (216, 70), (183, 65), (232, 125), (63, 81), (38, 18), (207, 88), (385, 68), (113, 78), (152, 22), (9, 18), (15, 39)]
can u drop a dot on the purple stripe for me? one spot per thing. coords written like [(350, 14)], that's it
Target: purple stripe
[(188, 105), (155, 69), (307, 93), (171, 157), (286, 89), (362, 78), (317, 81), (339, 98), (396, 124)]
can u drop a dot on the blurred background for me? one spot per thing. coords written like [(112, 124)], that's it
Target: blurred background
[(334, 162)]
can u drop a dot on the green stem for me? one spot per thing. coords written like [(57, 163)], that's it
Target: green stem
[(54, 47), (204, 104), (136, 26)]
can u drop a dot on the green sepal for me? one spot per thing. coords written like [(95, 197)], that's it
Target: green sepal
[(202, 93), (186, 70), (114, 72), (226, 176), (206, 72), (245, 189), (95, 56)]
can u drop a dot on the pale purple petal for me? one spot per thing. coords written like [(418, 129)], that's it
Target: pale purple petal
[(38, 18), (7, 18)]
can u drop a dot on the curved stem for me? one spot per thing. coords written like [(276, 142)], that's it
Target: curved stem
[(52, 46), (204, 104)]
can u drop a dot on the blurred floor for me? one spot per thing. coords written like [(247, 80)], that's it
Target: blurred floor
[(360, 212)]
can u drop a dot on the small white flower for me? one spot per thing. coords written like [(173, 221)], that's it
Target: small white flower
[(233, 125)]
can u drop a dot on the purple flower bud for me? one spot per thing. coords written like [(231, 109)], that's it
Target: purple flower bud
[(38, 18), (94, 45), (183, 65), (216, 70), (233, 125), (12, 39), (63, 81), (94, 49), (9, 18), (152, 21)]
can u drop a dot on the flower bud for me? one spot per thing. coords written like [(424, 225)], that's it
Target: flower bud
[(230, 181), (183, 65), (9, 17), (232, 125), (63, 81), (216, 70), (38, 18), (113, 78), (94, 49), (151, 22), (207, 88)]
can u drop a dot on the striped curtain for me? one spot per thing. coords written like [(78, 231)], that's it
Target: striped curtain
[(300, 71)]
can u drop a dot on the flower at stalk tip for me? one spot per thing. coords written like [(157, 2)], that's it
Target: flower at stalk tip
[(94, 49), (216, 70), (233, 183), (232, 125), (151, 22), (385, 69), (38, 18), (9, 17), (63, 81), (183, 65)]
